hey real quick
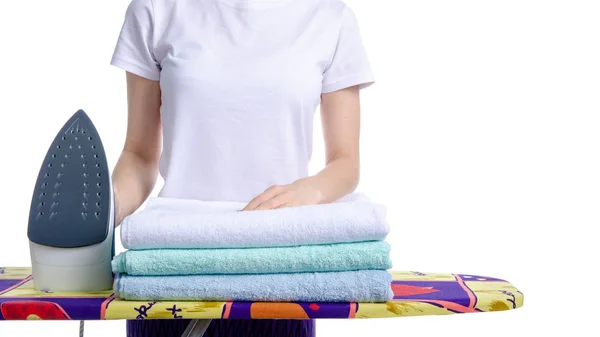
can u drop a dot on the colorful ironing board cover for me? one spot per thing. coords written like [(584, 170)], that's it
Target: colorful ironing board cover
[(415, 294)]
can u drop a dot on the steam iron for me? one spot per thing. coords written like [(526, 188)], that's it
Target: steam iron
[(71, 219)]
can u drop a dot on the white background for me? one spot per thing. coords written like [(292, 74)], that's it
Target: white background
[(481, 136)]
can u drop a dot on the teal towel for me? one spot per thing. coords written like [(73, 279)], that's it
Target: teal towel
[(345, 286), (299, 259)]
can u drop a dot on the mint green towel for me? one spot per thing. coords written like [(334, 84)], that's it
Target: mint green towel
[(372, 255)]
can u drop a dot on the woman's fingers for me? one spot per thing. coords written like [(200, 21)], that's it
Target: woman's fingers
[(268, 194), (275, 202), (290, 203)]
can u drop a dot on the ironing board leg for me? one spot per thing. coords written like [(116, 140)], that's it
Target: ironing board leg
[(80, 328), (196, 328)]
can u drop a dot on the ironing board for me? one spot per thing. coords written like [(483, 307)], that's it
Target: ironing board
[(415, 294)]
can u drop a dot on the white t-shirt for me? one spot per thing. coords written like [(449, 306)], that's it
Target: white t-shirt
[(241, 81)]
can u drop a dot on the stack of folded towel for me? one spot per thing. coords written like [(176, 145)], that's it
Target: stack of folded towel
[(210, 251)]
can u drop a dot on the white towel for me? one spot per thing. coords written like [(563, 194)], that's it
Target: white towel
[(181, 223)]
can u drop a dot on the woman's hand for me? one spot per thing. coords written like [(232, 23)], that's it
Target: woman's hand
[(300, 193)]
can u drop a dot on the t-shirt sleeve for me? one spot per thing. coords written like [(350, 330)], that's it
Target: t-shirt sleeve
[(350, 65), (134, 51)]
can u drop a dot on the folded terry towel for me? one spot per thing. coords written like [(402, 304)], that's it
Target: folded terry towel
[(177, 223), (300, 259), (179, 204), (346, 286)]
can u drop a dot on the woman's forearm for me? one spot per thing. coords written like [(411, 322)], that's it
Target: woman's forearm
[(340, 118), (134, 176), (339, 178), (133, 180)]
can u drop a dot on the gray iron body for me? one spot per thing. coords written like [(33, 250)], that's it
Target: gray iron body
[(71, 220)]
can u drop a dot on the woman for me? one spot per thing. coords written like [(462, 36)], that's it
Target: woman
[(229, 88)]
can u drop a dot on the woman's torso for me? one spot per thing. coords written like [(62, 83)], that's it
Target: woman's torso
[(240, 82)]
